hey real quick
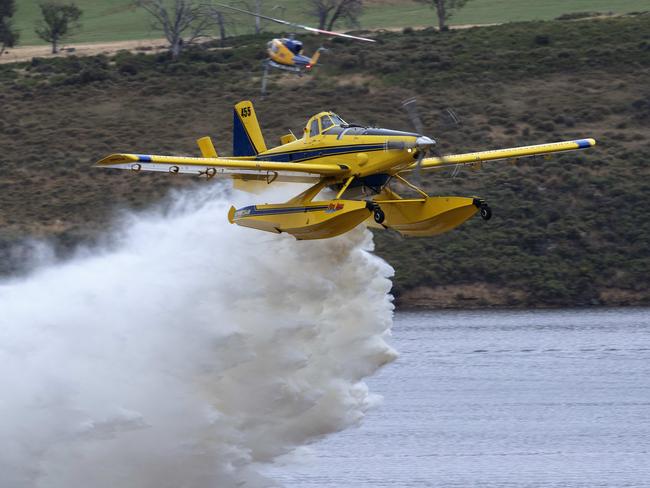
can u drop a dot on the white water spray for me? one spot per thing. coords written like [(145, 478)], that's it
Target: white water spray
[(186, 354)]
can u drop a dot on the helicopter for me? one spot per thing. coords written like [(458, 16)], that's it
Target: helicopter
[(286, 53), (360, 166)]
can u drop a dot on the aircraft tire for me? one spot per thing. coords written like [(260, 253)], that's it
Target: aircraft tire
[(379, 215), (486, 212)]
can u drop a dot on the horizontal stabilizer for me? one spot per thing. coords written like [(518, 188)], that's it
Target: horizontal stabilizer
[(207, 148)]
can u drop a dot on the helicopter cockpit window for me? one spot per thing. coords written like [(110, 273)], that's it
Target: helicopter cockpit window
[(294, 46), (313, 128)]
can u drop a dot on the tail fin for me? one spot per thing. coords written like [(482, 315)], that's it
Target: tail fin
[(314, 58), (247, 139)]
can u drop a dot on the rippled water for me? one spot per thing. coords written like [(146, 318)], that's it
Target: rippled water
[(500, 399)]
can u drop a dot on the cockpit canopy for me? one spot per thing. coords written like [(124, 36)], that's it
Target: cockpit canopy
[(325, 122), (329, 124)]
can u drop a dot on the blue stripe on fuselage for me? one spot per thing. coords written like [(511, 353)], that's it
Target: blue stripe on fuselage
[(253, 210), (304, 155), (300, 59)]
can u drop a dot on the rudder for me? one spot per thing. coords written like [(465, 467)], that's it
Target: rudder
[(247, 139)]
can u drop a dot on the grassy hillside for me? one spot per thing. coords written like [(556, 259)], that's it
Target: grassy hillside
[(118, 20), (573, 230)]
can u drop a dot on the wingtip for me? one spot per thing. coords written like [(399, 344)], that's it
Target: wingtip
[(117, 158), (585, 143)]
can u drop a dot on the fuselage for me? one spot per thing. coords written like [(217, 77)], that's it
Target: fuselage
[(288, 52), (364, 150)]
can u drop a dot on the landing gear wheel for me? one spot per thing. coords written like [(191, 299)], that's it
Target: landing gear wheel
[(379, 215), (486, 212)]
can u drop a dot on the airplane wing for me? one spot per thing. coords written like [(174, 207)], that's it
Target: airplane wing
[(501, 154), (225, 168)]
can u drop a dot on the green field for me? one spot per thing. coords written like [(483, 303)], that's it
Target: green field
[(118, 20), (571, 230)]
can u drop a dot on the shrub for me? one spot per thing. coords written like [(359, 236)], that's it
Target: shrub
[(542, 40), (578, 15), (128, 69)]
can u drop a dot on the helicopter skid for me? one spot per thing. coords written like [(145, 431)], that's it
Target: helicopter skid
[(292, 69), (310, 220), (427, 216)]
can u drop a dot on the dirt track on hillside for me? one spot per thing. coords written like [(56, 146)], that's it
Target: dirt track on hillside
[(25, 53)]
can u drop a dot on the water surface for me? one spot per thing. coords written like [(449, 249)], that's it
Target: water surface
[(501, 399)]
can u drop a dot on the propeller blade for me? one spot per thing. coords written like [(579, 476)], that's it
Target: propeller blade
[(450, 120), (418, 165), (293, 24), (411, 108), (425, 144)]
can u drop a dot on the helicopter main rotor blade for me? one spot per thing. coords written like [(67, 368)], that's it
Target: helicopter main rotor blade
[(339, 34), (293, 24)]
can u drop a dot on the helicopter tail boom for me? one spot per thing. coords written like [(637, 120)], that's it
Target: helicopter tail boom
[(314, 58)]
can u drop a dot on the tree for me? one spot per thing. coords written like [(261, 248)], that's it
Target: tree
[(444, 9), (330, 11), (8, 36), (222, 21), (182, 21), (58, 22)]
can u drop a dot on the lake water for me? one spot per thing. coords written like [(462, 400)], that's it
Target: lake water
[(500, 399)]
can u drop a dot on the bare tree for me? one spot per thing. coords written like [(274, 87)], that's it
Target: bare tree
[(331, 11), (444, 10), (182, 21), (58, 22), (8, 36), (254, 8), (258, 20), (223, 22)]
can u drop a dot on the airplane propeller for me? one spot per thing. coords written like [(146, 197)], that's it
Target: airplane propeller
[(423, 144)]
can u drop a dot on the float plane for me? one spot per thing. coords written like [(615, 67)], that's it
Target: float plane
[(356, 167)]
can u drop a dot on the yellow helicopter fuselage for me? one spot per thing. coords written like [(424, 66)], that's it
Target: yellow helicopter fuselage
[(288, 53)]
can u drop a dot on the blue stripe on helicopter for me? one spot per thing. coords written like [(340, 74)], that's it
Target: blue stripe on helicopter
[(144, 159), (319, 152), (300, 59)]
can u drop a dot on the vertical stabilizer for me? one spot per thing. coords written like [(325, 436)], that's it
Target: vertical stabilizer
[(247, 139), (314, 58)]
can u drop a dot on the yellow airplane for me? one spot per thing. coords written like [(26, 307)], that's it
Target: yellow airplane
[(360, 166)]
